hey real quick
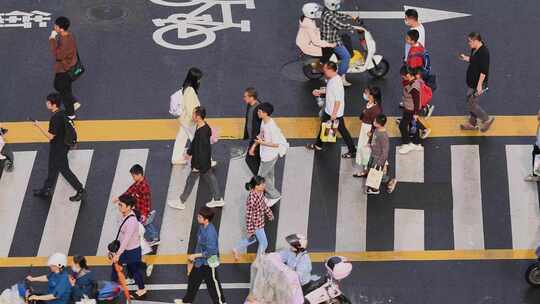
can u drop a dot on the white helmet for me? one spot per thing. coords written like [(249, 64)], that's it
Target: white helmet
[(338, 267), (332, 5), (297, 241), (58, 260), (312, 10)]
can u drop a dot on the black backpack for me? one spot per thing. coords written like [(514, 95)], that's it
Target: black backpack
[(70, 134)]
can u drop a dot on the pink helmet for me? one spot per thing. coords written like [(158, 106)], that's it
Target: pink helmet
[(338, 267)]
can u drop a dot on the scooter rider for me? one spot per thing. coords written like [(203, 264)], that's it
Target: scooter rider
[(308, 38), (297, 258), (332, 23), (59, 288)]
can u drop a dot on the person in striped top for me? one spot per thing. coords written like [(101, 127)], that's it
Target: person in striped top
[(256, 210)]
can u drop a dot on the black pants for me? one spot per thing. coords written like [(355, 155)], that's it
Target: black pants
[(253, 161), (210, 277), (404, 126), (536, 151), (62, 84), (58, 163), (326, 54), (342, 129)]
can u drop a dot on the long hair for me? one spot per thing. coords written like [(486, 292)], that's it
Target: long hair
[(255, 181), (193, 78)]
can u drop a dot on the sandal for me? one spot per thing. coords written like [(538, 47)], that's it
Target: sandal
[(348, 155), (313, 147)]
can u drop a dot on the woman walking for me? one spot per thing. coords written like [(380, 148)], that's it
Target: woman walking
[(256, 210), (372, 95)]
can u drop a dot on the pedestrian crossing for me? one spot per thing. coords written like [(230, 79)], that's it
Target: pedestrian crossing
[(411, 224)]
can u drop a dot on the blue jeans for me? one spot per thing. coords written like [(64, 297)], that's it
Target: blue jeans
[(260, 236), (344, 59)]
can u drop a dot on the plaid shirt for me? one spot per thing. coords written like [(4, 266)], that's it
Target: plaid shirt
[(332, 23), (141, 192), (256, 209)]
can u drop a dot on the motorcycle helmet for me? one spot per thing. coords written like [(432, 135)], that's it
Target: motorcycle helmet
[(332, 5), (312, 10), (297, 241), (338, 267), (58, 259)]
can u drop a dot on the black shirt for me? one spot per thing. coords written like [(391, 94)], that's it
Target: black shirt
[(57, 128), (200, 149), (478, 63)]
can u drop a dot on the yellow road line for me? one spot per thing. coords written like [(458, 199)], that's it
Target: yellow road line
[(370, 256), (232, 128)]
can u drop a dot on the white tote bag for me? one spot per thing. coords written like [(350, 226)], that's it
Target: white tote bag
[(175, 107), (374, 178)]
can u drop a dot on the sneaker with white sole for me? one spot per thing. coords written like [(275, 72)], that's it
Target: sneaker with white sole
[(76, 105), (215, 203), (272, 201), (532, 178), (345, 82), (430, 109), (404, 149), (417, 147), (149, 270), (213, 163), (130, 281), (372, 191), (177, 204), (179, 301), (425, 133)]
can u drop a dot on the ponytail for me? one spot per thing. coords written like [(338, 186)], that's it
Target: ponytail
[(255, 181)]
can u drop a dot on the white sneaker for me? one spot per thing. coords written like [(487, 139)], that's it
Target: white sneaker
[(272, 201), (532, 178), (418, 147), (130, 281), (425, 133), (76, 105), (213, 163), (215, 203), (177, 204), (179, 301), (404, 149), (149, 270), (345, 82)]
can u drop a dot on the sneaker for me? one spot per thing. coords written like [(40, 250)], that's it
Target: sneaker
[(430, 109), (398, 121), (72, 117), (179, 301), (215, 203), (404, 149), (154, 242), (532, 178), (417, 147), (177, 204), (213, 163), (345, 82), (272, 201), (130, 281), (79, 196), (468, 127), (76, 105), (401, 104), (8, 165), (43, 193), (391, 186), (149, 270), (151, 217), (372, 191), (486, 125), (425, 133)]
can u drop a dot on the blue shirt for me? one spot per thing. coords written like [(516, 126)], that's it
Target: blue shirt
[(84, 285), (300, 263), (58, 286), (207, 244)]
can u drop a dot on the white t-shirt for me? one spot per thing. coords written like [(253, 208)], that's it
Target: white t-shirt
[(335, 92), (421, 38), (269, 133)]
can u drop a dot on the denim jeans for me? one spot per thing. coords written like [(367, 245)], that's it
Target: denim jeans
[(344, 59), (259, 236)]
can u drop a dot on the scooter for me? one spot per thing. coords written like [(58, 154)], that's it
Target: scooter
[(362, 60), (326, 289), (532, 275)]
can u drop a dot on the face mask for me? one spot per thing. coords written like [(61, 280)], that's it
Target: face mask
[(75, 268), (365, 96)]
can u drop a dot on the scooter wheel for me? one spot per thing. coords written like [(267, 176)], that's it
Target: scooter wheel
[(310, 73), (532, 275), (380, 70)]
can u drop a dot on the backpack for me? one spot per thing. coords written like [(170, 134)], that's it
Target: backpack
[(175, 107), (70, 134), (425, 94), (108, 291)]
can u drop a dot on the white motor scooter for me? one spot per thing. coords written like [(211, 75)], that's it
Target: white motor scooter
[(363, 59), (326, 290)]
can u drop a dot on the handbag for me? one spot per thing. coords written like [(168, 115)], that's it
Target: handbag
[(329, 131), (374, 178), (77, 69), (114, 246), (175, 105), (536, 168)]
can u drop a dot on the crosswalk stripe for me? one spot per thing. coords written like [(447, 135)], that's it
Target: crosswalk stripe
[(467, 197), (295, 195), (176, 224), (12, 191), (524, 212), (122, 180), (63, 213), (233, 223), (410, 166), (408, 230), (352, 210)]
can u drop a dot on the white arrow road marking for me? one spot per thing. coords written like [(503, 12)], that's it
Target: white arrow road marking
[(425, 14), (184, 286)]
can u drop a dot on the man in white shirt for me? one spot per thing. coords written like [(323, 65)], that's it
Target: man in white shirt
[(334, 108), (411, 20), (268, 140)]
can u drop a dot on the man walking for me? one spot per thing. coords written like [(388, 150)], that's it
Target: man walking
[(252, 128), (64, 51), (477, 83), (334, 109), (58, 152)]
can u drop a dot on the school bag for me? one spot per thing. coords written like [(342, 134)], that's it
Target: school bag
[(425, 94), (175, 106)]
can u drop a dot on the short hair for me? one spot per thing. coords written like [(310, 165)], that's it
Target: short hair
[(62, 22), (412, 13), (331, 65), (207, 213), (128, 200), (414, 35), (267, 108), (54, 98), (200, 111), (251, 92), (475, 36), (81, 260), (137, 170), (381, 119), (407, 70)]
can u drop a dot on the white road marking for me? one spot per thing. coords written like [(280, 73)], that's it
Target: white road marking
[(425, 14), (410, 167), (408, 230), (12, 191), (63, 213)]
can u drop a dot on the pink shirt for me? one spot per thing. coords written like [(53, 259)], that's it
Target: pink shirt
[(309, 40), (129, 234)]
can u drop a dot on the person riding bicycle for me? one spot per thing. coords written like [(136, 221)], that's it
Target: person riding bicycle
[(297, 258), (308, 38), (59, 287), (333, 23)]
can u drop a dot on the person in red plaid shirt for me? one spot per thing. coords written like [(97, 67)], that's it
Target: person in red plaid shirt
[(256, 210)]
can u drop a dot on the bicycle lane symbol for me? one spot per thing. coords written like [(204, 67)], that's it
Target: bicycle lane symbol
[(196, 24)]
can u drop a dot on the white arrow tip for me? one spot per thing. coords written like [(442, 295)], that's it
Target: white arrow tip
[(426, 15)]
